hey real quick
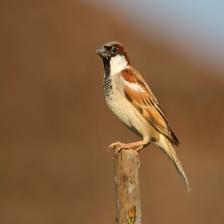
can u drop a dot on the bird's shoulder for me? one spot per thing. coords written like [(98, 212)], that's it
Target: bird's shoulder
[(135, 82)]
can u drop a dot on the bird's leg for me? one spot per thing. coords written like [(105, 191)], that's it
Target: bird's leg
[(137, 146)]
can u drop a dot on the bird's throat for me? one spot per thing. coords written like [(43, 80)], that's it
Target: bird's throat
[(106, 64)]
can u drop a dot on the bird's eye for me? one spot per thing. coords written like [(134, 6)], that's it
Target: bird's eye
[(114, 50)]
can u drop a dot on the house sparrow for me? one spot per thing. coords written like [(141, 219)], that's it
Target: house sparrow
[(132, 101)]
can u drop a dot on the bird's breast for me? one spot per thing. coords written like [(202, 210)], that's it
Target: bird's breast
[(125, 111)]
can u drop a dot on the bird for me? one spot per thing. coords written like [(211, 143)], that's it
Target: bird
[(130, 98)]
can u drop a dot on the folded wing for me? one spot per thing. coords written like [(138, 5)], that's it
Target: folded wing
[(139, 94)]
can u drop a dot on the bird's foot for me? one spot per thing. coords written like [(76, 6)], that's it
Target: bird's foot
[(118, 146)]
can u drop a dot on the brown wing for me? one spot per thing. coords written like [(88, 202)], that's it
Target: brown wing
[(146, 103)]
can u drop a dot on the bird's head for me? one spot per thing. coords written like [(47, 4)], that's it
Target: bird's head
[(114, 56)]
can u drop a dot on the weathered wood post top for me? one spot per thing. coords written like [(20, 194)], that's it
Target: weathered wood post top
[(126, 164)]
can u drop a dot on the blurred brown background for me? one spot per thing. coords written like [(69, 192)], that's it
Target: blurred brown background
[(55, 126)]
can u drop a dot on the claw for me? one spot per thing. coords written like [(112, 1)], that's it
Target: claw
[(120, 147), (114, 145)]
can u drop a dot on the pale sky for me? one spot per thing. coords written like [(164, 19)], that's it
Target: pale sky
[(194, 28)]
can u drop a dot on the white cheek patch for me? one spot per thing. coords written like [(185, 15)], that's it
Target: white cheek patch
[(134, 86), (117, 64)]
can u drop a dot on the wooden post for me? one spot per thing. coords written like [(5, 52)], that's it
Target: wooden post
[(126, 164)]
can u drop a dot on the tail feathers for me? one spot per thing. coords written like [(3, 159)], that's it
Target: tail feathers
[(169, 150), (180, 169)]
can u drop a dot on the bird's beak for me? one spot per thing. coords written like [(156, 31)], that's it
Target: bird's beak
[(101, 52)]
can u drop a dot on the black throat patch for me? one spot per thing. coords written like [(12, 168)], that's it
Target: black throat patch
[(106, 64), (107, 81)]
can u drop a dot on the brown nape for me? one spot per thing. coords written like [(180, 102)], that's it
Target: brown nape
[(126, 55), (122, 50)]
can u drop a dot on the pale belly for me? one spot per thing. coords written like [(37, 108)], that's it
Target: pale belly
[(129, 115)]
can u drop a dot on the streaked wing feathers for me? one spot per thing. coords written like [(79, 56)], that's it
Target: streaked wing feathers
[(146, 103)]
